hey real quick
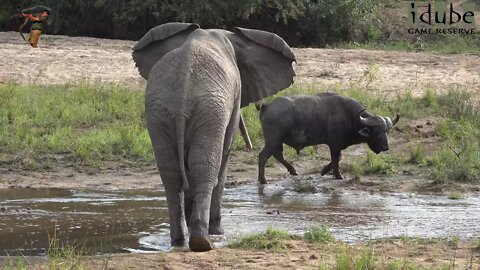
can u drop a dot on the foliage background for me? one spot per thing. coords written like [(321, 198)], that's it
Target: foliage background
[(299, 22)]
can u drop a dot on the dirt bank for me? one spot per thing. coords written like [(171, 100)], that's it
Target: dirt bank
[(61, 59)]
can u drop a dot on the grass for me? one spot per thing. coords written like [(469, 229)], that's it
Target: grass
[(450, 44), (347, 260), (319, 234), (417, 155), (65, 256), (476, 244), (87, 123), (14, 263), (272, 240), (377, 164), (59, 256), (454, 196), (342, 256)]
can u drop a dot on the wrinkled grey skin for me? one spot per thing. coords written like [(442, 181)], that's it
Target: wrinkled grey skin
[(326, 118), (197, 81)]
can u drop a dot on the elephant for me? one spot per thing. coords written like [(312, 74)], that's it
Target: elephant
[(197, 81)]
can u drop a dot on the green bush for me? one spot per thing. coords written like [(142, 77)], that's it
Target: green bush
[(350, 260), (300, 22), (459, 157), (417, 155), (376, 164), (272, 239), (319, 234)]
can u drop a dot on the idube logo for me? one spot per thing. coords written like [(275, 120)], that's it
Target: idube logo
[(441, 18)]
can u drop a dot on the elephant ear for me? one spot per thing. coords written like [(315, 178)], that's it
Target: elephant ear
[(265, 63), (159, 41)]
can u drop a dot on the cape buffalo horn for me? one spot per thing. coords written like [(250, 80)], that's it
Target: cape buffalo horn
[(396, 119), (389, 123), (368, 121)]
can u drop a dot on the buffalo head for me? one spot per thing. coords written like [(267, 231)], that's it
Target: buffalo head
[(375, 130)]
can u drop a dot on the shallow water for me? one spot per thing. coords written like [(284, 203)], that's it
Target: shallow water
[(136, 221)]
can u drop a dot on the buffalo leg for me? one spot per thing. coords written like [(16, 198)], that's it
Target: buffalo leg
[(262, 160), (279, 156), (336, 156), (326, 169)]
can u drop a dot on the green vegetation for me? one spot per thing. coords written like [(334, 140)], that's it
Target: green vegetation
[(376, 164), (365, 24), (454, 241), (454, 196), (450, 44), (272, 239), (476, 244), (417, 155), (60, 256), (459, 157), (90, 124), (14, 263), (342, 256), (348, 260), (300, 22), (86, 123), (319, 234), (65, 256)]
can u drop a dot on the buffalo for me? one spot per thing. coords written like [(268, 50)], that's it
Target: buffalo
[(327, 118)]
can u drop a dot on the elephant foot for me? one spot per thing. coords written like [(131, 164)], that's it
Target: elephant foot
[(200, 244), (215, 229), (262, 180), (199, 240), (293, 172)]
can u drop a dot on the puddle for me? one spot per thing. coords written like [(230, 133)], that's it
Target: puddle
[(136, 221)]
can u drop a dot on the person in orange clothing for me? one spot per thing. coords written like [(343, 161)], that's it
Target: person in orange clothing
[(38, 15)]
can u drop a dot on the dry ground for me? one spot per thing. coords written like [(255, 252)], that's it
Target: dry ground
[(408, 254), (61, 59)]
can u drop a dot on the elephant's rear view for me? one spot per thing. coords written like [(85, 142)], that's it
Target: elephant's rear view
[(197, 81)]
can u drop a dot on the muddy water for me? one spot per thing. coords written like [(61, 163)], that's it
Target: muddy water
[(136, 221)]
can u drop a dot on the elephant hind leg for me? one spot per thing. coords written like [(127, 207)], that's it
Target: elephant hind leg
[(204, 162), (175, 200), (167, 163), (215, 225), (200, 213)]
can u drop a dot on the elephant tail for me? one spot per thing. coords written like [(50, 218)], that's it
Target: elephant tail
[(180, 132), (261, 107)]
